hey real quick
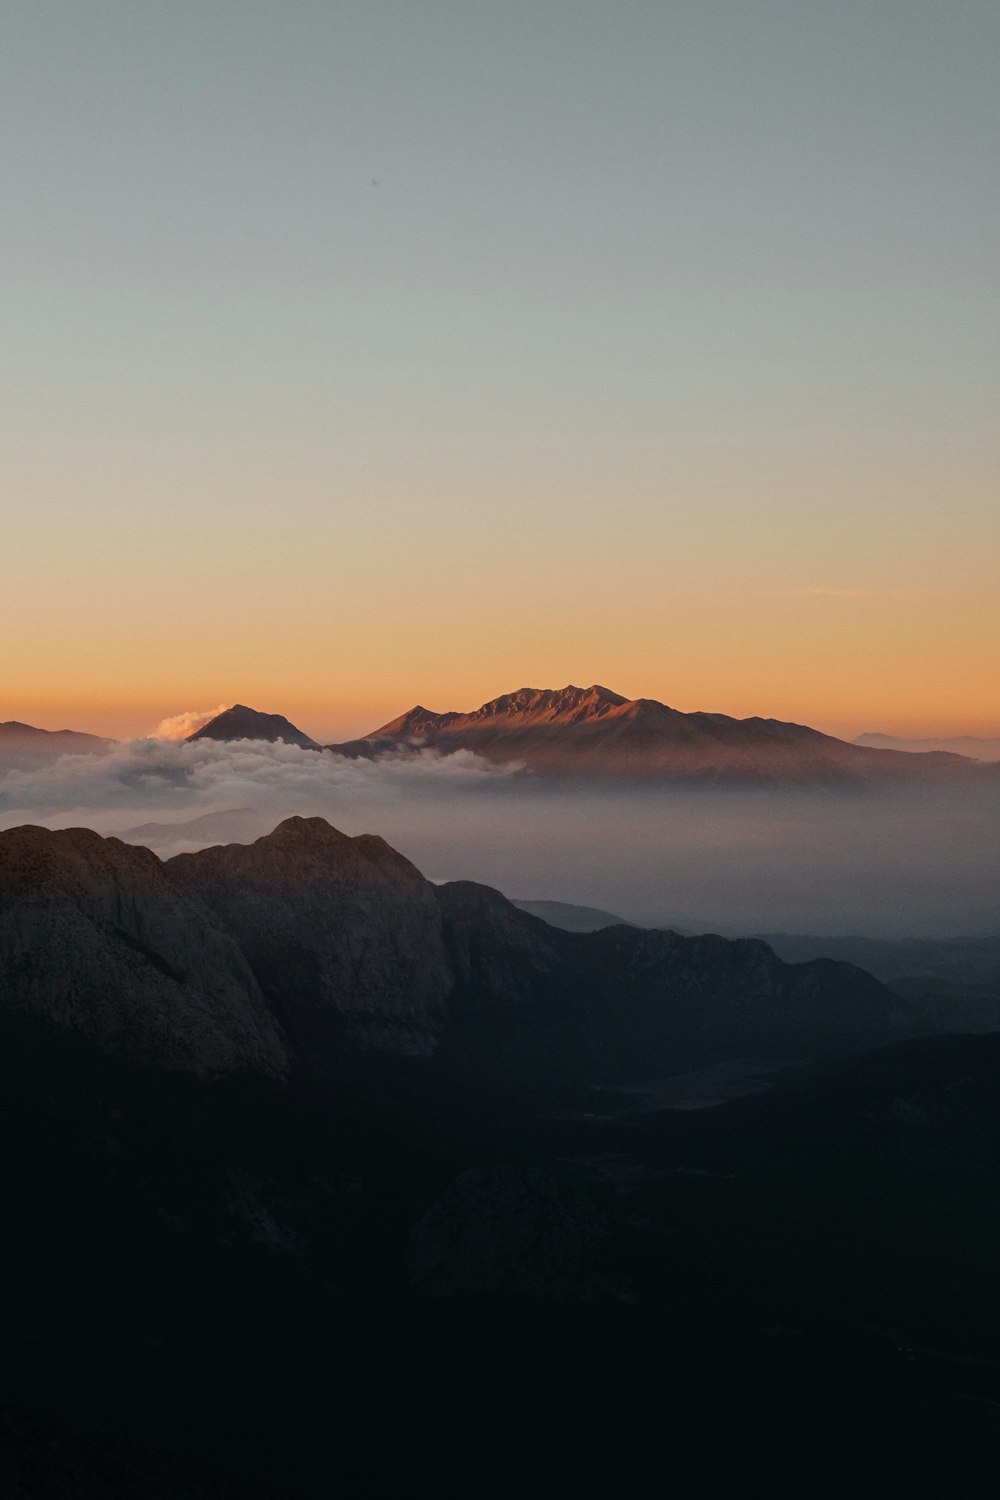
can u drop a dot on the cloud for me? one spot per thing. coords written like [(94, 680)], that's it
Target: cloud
[(172, 780), (183, 725), (702, 859)]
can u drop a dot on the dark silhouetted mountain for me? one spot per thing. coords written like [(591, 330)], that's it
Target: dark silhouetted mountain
[(321, 942), (242, 723), (572, 918), (975, 747), (953, 982), (340, 932), (22, 746), (594, 732), (97, 941), (625, 1004), (216, 1272)]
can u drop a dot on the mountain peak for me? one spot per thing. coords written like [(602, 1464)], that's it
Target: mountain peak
[(566, 705), (243, 723), (305, 830), (414, 724)]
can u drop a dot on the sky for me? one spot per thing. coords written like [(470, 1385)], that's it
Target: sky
[(363, 354)]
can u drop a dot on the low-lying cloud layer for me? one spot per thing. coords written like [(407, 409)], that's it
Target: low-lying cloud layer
[(895, 863), (173, 780)]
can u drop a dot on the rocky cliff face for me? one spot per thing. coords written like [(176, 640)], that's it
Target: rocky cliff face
[(97, 941), (341, 933)]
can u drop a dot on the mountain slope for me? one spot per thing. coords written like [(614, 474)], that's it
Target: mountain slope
[(242, 723), (342, 933), (976, 747), (593, 731), (323, 947), (625, 1004), (96, 941)]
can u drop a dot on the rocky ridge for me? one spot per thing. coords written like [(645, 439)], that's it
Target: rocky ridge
[(308, 942), (593, 731), (97, 941)]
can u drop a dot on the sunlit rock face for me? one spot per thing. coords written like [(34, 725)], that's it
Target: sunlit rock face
[(95, 940), (343, 934), (587, 732)]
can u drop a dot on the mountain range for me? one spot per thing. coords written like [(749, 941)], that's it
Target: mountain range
[(594, 732), (316, 1166), (287, 952), (976, 747), (582, 733)]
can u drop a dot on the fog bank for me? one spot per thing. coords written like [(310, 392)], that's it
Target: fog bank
[(901, 863)]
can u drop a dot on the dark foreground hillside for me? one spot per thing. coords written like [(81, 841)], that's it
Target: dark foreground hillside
[(491, 1263)]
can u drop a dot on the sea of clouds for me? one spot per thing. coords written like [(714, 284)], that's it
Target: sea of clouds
[(898, 863)]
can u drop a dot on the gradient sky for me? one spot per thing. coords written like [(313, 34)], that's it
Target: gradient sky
[(356, 354)]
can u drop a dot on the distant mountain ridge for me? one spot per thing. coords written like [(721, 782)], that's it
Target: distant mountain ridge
[(585, 732), (233, 825), (594, 731), (22, 746), (242, 723), (976, 747), (571, 917)]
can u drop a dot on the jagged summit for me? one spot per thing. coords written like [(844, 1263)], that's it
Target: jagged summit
[(243, 723), (417, 722), (594, 731), (568, 705)]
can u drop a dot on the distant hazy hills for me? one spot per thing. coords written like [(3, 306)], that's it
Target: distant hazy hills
[(22, 746), (959, 744), (571, 918), (234, 825)]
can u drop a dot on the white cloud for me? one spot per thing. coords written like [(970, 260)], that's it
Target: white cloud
[(182, 725), (170, 780)]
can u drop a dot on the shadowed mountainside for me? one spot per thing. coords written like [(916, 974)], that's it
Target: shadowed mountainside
[(96, 940), (214, 1267), (316, 942), (242, 723), (342, 933)]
